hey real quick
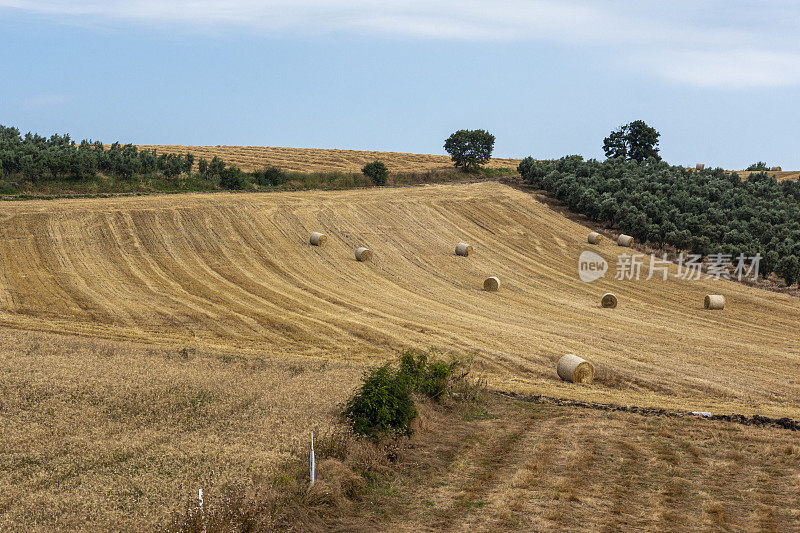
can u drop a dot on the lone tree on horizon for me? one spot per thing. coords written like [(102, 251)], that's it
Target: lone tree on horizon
[(470, 149), (635, 141)]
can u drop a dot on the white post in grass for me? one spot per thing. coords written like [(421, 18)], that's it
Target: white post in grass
[(202, 511), (313, 465)]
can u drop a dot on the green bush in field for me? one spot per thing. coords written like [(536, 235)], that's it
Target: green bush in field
[(426, 377), (232, 178), (383, 405), (270, 177), (377, 172)]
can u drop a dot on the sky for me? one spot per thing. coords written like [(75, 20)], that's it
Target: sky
[(719, 79)]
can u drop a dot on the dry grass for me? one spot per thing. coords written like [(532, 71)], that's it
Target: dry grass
[(250, 158), (545, 468), (99, 435)]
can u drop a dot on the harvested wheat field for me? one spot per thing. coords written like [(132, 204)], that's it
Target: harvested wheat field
[(779, 175), (250, 158), (100, 435), (151, 346), (546, 468), (236, 272)]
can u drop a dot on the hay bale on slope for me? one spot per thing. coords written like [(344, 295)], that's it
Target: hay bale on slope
[(318, 239), (608, 300), (363, 254), (714, 301), (775, 169), (594, 238), (491, 284), (463, 249), (624, 240), (575, 369)]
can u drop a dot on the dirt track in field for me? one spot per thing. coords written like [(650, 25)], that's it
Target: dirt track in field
[(235, 271)]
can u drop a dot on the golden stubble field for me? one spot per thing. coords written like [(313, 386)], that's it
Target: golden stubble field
[(250, 158), (153, 345), (235, 271)]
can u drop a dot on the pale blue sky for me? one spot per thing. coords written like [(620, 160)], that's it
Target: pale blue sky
[(719, 79)]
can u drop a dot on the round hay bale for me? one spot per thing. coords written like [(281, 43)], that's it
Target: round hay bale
[(714, 301), (491, 284), (700, 166), (318, 239), (594, 238), (775, 169), (624, 240), (464, 249), (363, 254), (608, 300), (575, 369)]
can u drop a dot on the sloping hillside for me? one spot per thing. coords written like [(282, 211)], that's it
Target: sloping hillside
[(236, 272)]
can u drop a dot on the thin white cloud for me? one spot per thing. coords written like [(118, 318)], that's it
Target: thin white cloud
[(710, 43), (43, 101), (744, 68)]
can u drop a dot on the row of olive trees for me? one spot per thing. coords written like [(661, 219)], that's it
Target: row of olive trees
[(34, 158), (705, 212)]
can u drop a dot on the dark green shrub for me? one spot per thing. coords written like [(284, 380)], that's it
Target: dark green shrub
[(202, 165), (383, 405), (789, 269), (758, 166), (377, 172), (270, 177), (232, 178), (423, 376), (7, 188), (216, 166)]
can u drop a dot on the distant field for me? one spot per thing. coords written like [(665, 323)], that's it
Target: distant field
[(780, 176), (250, 158)]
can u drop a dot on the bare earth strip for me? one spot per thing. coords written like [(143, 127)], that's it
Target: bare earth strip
[(235, 272)]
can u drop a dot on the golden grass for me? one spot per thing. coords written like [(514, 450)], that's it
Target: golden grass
[(779, 175), (101, 435), (250, 158), (235, 271)]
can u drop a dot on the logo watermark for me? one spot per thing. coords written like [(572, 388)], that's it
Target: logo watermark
[(634, 267), (591, 266)]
